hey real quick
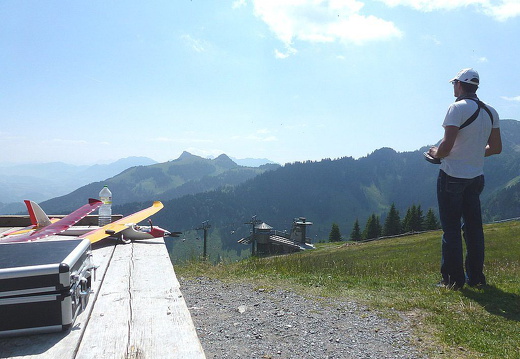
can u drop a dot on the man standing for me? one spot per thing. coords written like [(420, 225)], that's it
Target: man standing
[(471, 132)]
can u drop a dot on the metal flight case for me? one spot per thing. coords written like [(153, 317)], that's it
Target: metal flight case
[(44, 285)]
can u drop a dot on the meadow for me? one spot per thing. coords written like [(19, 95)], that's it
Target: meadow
[(397, 277)]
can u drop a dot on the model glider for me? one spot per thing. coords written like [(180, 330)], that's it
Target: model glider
[(127, 229), (56, 227), (39, 219)]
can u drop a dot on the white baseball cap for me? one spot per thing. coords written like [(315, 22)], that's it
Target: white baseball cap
[(469, 76)]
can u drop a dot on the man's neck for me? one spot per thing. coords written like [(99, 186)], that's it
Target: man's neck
[(467, 95)]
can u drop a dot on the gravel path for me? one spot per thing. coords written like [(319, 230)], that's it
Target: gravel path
[(238, 321)]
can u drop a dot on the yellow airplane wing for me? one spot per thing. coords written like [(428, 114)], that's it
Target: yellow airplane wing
[(19, 231), (123, 223), (26, 229)]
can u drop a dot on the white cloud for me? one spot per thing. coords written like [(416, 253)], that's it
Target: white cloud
[(195, 44), (506, 10), (501, 10), (513, 99), (280, 55), (321, 21), (328, 21), (289, 50), (431, 5), (238, 3), (433, 39)]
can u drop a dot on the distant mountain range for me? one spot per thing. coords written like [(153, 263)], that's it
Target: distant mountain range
[(188, 174), (42, 181)]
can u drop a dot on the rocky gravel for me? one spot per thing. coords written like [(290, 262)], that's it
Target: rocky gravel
[(241, 321)]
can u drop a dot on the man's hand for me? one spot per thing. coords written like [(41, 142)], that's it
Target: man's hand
[(433, 151)]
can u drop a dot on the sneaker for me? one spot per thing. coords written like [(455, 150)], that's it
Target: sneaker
[(445, 285)]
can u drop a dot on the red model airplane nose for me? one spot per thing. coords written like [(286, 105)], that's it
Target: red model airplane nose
[(157, 232)]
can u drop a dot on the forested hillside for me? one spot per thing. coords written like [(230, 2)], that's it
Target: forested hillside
[(188, 174), (324, 192)]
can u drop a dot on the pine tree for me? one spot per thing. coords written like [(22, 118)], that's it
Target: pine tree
[(356, 232), (366, 234), (431, 222), (379, 227), (334, 235), (407, 220), (392, 223), (372, 228), (414, 219), (419, 220)]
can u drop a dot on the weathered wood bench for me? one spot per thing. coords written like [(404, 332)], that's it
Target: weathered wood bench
[(135, 311)]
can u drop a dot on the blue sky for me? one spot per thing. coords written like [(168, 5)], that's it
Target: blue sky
[(88, 82)]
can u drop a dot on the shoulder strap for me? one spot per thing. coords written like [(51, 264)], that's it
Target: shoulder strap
[(473, 117), (482, 105)]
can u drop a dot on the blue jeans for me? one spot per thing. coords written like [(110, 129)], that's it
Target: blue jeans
[(459, 198)]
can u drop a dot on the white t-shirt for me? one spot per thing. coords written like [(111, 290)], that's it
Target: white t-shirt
[(466, 158)]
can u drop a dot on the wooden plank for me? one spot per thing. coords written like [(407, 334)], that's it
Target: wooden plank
[(159, 312), (15, 221), (106, 335), (142, 313)]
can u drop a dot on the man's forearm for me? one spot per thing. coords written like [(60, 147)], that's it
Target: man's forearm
[(494, 146), (443, 150)]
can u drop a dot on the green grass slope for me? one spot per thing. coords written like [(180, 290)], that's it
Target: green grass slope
[(399, 274)]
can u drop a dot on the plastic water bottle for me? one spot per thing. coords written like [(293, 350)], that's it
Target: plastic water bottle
[(105, 211)]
